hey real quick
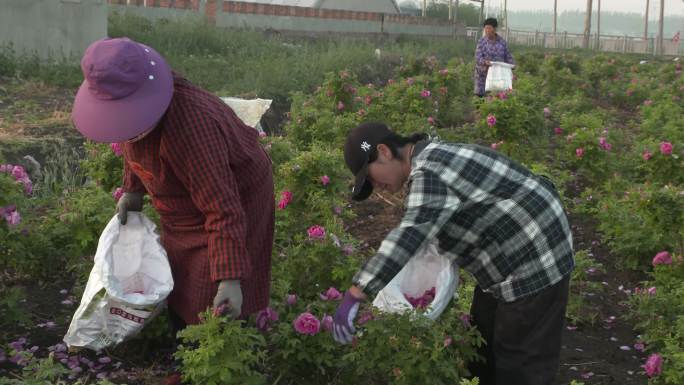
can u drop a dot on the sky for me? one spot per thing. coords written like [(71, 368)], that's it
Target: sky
[(672, 7)]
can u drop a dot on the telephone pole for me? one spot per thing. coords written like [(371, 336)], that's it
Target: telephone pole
[(555, 19), (598, 26), (646, 21), (587, 25), (660, 27)]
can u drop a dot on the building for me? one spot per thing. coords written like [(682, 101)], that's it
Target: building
[(381, 6)]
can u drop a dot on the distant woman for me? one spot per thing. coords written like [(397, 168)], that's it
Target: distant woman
[(491, 47)]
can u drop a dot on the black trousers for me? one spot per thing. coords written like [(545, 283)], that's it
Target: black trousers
[(523, 337)]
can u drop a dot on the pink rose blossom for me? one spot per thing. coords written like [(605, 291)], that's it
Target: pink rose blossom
[(579, 152), (116, 148), (558, 131), (503, 95), (662, 258), (307, 323), (118, 193), (368, 100), (285, 199), (630, 92), (325, 180), (337, 210), (12, 217), (448, 341), (651, 290), (646, 155), (425, 93), (365, 317), (327, 322), (444, 72), (262, 134), (653, 365), (391, 81), (316, 232), (291, 299), (443, 90), (491, 120), (547, 112), (431, 120), (639, 346), (19, 173), (603, 143), (648, 102), (340, 105), (265, 318), (666, 148), (331, 294), (410, 81), (361, 112)]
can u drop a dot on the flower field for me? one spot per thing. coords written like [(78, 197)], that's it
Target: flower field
[(606, 129)]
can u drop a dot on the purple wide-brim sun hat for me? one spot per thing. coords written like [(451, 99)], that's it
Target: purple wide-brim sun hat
[(127, 88)]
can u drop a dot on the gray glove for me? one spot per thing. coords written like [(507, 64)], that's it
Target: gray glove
[(130, 201), (229, 293)]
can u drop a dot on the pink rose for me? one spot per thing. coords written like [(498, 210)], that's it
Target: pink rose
[(425, 93), (448, 341), (13, 218), (118, 193), (443, 90), (662, 258), (651, 290), (285, 199), (431, 120), (368, 100), (410, 81), (365, 317), (558, 131), (639, 346), (579, 152), (648, 102), (653, 365), (265, 318), (327, 322), (316, 232), (391, 81), (491, 120), (116, 147), (603, 143), (325, 180), (6, 168), (262, 134), (444, 72), (646, 155), (291, 299), (307, 323), (331, 294), (666, 148), (337, 210), (19, 173), (340, 105), (547, 112), (502, 95)]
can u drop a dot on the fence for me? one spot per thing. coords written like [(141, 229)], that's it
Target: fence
[(284, 18), (606, 43)]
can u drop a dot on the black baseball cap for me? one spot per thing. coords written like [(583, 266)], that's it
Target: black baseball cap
[(361, 144)]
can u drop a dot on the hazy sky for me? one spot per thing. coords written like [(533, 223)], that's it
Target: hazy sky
[(672, 7)]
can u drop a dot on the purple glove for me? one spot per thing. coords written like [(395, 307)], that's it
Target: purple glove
[(343, 321)]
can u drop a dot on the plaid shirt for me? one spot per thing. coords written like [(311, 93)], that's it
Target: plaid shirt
[(488, 214), (211, 183)]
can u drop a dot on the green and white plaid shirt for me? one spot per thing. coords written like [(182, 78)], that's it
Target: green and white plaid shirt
[(488, 214)]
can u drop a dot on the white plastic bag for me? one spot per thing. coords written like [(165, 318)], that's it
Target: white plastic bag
[(128, 285), (499, 77), (249, 111), (425, 270)]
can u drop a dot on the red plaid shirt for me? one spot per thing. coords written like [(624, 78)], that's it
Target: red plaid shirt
[(211, 183)]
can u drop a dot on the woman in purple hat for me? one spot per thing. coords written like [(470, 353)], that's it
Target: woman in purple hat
[(207, 174)]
